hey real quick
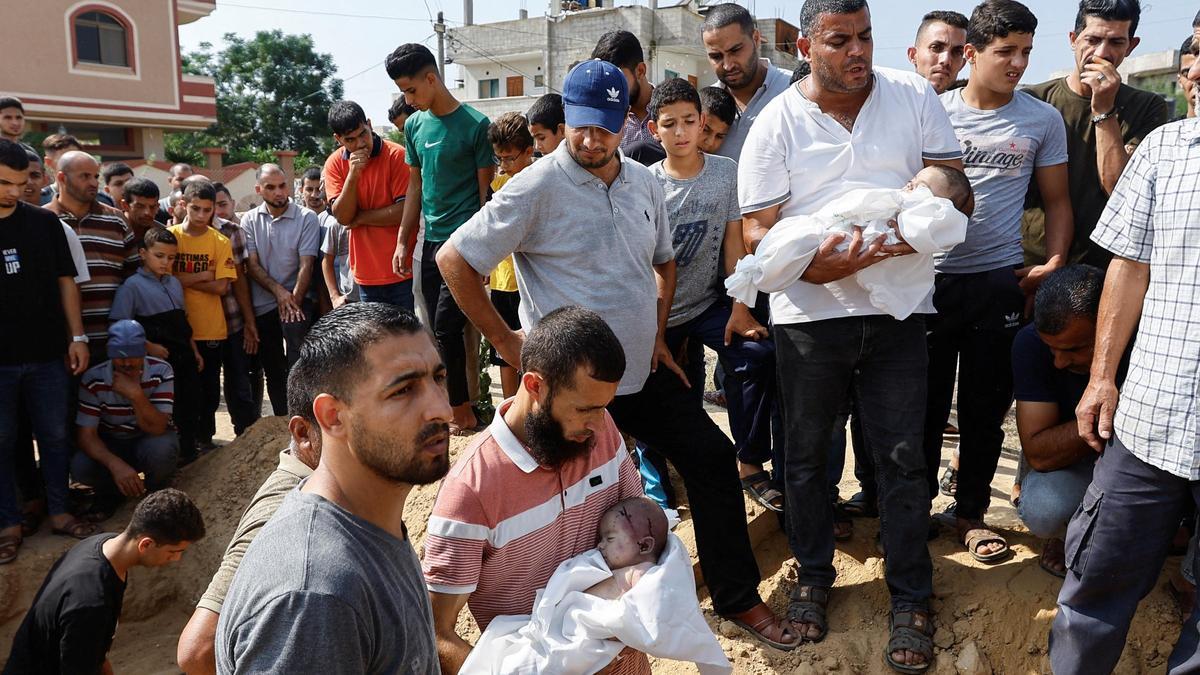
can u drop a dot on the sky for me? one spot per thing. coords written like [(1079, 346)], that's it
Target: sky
[(360, 33)]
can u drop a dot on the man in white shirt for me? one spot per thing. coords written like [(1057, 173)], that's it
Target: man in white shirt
[(848, 126)]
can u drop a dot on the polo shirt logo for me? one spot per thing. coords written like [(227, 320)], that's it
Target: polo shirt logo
[(595, 480)]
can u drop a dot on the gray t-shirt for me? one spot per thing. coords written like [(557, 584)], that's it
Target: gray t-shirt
[(576, 241), (774, 84), (322, 590), (1001, 149), (280, 244), (698, 208), (336, 242)]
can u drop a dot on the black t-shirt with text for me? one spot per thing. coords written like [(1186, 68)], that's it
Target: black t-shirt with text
[(70, 626), (33, 255)]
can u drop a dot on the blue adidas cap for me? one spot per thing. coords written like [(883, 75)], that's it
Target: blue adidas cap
[(126, 340), (596, 94)]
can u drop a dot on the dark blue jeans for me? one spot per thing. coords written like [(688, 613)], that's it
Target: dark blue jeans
[(1116, 545), (239, 394), (155, 456), (399, 294), (878, 363), (45, 389)]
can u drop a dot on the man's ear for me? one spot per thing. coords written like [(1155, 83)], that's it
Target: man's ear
[(327, 410), (640, 71), (969, 53), (912, 55), (1133, 43), (534, 384), (804, 46)]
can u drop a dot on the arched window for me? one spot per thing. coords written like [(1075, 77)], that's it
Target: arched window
[(101, 38)]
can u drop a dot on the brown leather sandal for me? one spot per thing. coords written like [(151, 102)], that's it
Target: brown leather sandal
[(762, 624), (9, 545)]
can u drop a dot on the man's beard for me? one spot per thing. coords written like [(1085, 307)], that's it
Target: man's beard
[(400, 462), (547, 441), (278, 203), (747, 77), (83, 195), (597, 164)]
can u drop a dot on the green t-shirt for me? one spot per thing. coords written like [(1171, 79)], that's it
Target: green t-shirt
[(1139, 113), (448, 151)]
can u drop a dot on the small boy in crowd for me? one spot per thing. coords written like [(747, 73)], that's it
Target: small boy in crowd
[(513, 145), (155, 299), (206, 268), (720, 111), (547, 123)]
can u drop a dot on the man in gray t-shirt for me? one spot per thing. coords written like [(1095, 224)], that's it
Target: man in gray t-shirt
[(331, 584), (981, 292)]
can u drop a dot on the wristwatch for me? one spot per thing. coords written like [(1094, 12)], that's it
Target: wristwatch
[(1097, 119), (79, 338)]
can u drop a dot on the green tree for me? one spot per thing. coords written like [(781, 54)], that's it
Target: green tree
[(273, 92)]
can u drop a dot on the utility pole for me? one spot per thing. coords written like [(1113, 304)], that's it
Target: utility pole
[(440, 29)]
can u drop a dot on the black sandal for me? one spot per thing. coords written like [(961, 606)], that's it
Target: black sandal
[(948, 485), (760, 489), (808, 604), (860, 506), (913, 631)]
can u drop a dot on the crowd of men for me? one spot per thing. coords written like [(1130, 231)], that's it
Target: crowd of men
[(588, 240)]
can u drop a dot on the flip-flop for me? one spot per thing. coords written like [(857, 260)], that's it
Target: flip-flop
[(974, 537), (756, 619), (1047, 563), (758, 486), (78, 529), (9, 545)]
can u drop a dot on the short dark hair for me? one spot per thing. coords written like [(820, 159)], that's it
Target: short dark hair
[(1195, 21), (11, 102), (510, 130), (813, 9), (547, 112), (993, 19), (12, 155), (158, 235), (346, 116), (727, 14), (311, 173), (300, 394), (409, 60), (1073, 291), (948, 17), (803, 69), (221, 187), (620, 48), (56, 142), (568, 338), (961, 192), (1186, 46), (34, 158), (141, 187), (400, 107), (168, 517), (332, 357), (114, 170), (199, 189), (1110, 10), (718, 103), (674, 90)]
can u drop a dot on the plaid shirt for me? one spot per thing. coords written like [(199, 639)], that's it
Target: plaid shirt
[(237, 240), (1152, 217)]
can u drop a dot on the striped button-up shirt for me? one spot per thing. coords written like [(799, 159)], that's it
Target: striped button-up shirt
[(1153, 217), (100, 406), (111, 257)]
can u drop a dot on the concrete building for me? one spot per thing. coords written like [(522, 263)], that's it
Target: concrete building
[(107, 71), (504, 66)]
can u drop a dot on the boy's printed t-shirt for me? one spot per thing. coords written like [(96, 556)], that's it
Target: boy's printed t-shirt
[(1001, 148), (383, 182), (208, 251), (33, 257), (504, 277), (448, 151), (699, 207)]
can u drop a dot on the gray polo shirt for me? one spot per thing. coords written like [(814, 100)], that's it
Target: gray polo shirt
[(280, 244), (775, 84), (576, 241)]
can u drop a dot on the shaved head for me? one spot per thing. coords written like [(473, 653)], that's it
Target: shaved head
[(78, 179), (76, 160), (268, 170)]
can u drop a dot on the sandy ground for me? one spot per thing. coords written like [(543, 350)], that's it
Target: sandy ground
[(992, 619)]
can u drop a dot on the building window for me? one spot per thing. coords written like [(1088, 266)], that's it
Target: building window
[(539, 80), (489, 88), (100, 38)]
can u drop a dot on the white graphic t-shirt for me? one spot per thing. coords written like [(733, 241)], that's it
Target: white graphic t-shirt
[(1001, 148)]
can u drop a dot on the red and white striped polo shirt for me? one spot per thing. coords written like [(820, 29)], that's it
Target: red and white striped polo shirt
[(502, 524)]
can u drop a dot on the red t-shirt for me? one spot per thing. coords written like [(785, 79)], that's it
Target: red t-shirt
[(383, 182)]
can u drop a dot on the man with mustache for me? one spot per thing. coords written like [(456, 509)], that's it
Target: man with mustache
[(530, 490), (332, 581)]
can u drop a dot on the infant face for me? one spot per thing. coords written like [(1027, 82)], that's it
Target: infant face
[(934, 180), (633, 531), (618, 543)]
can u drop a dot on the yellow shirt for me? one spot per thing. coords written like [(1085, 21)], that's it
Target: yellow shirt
[(208, 251), (504, 277)]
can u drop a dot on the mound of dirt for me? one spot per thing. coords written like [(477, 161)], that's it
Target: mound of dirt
[(990, 619)]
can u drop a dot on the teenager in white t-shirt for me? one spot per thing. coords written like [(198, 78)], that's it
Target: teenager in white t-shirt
[(848, 126)]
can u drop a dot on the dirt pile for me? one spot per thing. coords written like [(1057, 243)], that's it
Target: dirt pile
[(990, 619)]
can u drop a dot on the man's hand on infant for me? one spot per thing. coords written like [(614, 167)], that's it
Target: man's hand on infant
[(902, 247), (830, 265)]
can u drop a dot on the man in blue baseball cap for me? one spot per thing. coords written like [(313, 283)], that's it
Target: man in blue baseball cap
[(127, 443), (586, 225)]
